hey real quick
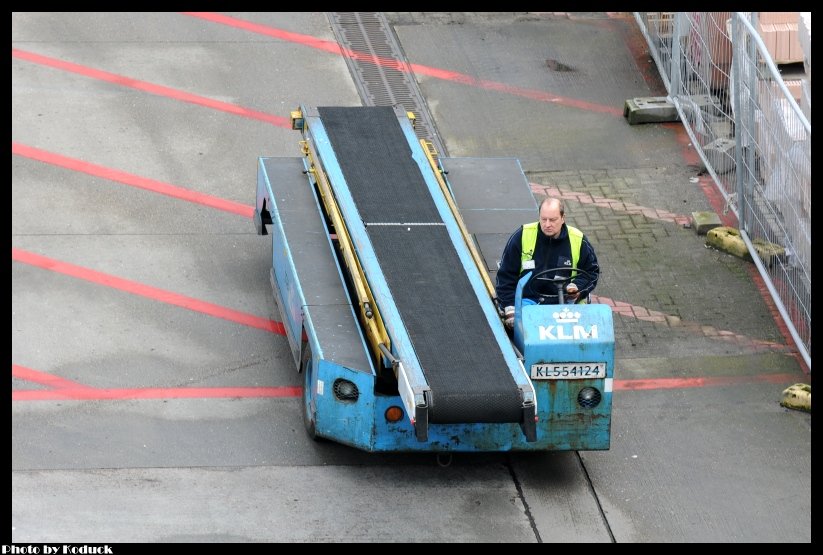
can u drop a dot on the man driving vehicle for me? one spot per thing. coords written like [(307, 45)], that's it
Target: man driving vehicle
[(543, 245)]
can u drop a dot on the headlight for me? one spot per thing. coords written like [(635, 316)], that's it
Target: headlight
[(588, 397), (345, 390)]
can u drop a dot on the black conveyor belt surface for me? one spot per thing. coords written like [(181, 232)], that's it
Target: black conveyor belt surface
[(454, 343)]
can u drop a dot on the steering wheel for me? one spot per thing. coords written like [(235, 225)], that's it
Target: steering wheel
[(559, 281)]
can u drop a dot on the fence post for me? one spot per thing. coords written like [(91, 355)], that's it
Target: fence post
[(737, 94), (754, 104), (677, 56)]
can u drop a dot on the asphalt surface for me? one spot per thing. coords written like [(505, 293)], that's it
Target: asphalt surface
[(153, 399)]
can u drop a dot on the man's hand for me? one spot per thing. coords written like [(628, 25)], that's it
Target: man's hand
[(572, 292), (508, 315)]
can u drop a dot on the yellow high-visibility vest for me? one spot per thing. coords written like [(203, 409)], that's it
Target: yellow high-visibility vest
[(528, 242)]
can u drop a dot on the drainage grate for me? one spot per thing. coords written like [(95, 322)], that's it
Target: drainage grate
[(388, 81)]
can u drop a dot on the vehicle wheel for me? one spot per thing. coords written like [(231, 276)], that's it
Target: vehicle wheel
[(308, 394)]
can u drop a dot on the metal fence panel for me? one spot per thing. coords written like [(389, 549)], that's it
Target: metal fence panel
[(753, 138)]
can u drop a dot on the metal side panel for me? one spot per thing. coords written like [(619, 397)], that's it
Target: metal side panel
[(306, 274), (338, 342), (494, 199), (489, 184)]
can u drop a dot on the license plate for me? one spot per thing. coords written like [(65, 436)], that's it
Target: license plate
[(569, 371)]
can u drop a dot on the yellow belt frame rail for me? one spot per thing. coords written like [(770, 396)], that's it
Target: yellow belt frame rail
[(367, 309), (431, 154)]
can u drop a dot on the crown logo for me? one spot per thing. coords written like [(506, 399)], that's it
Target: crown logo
[(566, 316)]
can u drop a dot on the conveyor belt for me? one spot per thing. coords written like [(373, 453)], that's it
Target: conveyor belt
[(462, 362)]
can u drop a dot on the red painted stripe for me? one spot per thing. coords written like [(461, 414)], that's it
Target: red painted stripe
[(798, 319), (639, 49), (727, 218), (151, 88), (49, 380), (306, 40), (462, 78), (687, 150), (718, 203), (531, 94), (683, 383), (706, 183), (131, 179), (642, 313), (611, 204), (147, 291), (91, 394)]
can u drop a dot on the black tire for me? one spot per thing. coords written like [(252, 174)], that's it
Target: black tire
[(308, 410)]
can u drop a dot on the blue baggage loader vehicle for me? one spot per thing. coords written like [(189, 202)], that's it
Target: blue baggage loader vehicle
[(383, 258)]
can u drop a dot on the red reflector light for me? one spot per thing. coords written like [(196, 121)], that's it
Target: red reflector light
[(394, 414)]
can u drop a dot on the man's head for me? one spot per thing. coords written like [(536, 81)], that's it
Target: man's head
[(551, 216)]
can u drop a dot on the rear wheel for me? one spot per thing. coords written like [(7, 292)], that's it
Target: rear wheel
[(308, 393)]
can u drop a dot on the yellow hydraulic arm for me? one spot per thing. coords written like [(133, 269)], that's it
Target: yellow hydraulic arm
[(431, 154), (367, 310)]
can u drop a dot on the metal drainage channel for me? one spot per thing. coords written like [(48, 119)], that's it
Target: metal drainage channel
[(379, 84)]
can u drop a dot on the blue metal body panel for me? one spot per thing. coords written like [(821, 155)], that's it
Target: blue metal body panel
[(577, 335), (568, 333), (351, 423), (285, 280), (327, 294), (401, 344)]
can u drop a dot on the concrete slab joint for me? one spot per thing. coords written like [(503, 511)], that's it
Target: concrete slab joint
[(708, 106), (720, 154), (704, 222), (650, 109)]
